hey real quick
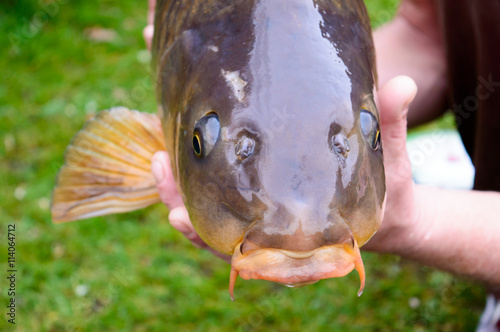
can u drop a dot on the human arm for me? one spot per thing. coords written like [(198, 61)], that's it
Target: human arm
[(462, 234)]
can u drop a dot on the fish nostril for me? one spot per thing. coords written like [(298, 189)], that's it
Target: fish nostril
[(340, 145), (244, 148)]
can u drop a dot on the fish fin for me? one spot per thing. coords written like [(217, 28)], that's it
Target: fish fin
[(107, 166)]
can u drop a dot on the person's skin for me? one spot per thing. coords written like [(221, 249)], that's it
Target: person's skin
[(411, 45), (455, 231)]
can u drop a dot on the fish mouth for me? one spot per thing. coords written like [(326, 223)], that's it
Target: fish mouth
[(297, 268)]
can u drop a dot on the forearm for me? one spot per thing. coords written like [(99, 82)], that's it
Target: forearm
[(455, 231)]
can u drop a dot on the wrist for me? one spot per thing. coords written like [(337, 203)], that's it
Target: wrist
[(414, 231), (402, 233)]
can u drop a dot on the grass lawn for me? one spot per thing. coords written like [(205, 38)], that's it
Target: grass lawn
[(62, 60)]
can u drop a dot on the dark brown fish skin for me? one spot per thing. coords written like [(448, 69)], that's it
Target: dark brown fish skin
[(309, 69)]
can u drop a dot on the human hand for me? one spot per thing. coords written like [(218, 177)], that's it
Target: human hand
[(178, 216), (452, 230), (401, 215)]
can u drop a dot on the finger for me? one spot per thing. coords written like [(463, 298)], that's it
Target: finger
[(148, 35), (394, 100), (179, 219), (165, 182), (151, 11)]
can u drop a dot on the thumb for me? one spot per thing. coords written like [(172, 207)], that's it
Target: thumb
[(394, 98), (165, 182)]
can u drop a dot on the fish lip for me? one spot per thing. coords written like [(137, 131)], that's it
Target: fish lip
[(297, 268), (300, 284), (299, 254), (247, 270)]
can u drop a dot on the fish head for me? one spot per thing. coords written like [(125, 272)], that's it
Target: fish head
[(278, 152)]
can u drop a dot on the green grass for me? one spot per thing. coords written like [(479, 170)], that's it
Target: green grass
[(140, 274)]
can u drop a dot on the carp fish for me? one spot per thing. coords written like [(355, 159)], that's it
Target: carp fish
[(267, 110)]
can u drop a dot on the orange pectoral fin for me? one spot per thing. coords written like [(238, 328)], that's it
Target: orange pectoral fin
[(107, 167)]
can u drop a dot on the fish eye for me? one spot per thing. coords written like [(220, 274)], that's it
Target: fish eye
[(197, 144), (205, 135), (370, 128)]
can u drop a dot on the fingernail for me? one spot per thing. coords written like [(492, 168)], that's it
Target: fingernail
[(180, 220), (409, 100), (157, 169), (178, 214), (410, 83)]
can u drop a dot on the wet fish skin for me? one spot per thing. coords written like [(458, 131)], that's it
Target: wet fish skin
[(267, 110), (308, 69)]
